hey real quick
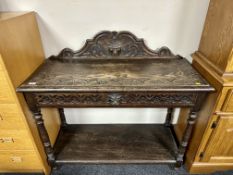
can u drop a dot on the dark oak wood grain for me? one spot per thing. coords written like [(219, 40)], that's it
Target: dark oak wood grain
[(123, 143), (117, 99), (113, 45), (137, 75), (115, 69), (115, 61)]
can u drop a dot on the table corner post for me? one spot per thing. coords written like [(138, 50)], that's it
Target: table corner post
[(169, 117), (189, 128), (38, 117), (62, 117), (186, 137)]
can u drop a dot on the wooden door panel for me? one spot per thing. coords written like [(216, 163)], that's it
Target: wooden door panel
[(228, 103), (220, 145)]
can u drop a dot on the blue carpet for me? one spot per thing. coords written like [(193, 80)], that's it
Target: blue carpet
[(124, 170), (118, 170)]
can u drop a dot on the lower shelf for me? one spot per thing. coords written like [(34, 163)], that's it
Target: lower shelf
[(138, 143)]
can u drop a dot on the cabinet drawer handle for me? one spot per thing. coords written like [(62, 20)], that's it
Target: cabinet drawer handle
[(7, 140), (16, 159)]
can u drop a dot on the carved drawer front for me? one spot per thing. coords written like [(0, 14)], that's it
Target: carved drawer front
[(115, 99), (14, 161), (15, 140), (228, 103), (6, 96), (10, 117)]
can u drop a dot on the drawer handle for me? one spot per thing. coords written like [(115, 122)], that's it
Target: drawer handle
[(114, 99), (1, 118), (7, 140), (16, 159)]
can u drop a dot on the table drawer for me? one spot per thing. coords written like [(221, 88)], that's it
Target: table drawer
[(132, 99), (15, 140), (6, 96), (228, 103), (19, 160), (10, 117)]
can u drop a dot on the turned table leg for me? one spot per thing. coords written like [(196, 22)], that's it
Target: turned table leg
[(44, 136), (62, 117), (41, 129), (169, 117), (185, 139)]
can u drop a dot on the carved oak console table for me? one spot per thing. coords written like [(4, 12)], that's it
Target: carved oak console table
[(115, 70)]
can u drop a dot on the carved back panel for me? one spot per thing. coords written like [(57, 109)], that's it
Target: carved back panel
[(113, 45)]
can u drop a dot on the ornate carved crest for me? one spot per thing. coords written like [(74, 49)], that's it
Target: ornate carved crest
[(108, 45)]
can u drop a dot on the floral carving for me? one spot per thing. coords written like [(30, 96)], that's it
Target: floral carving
[(113, 45), (116, 99)]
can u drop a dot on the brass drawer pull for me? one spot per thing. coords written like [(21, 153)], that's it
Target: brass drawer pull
[(7, 140), (16, 159)]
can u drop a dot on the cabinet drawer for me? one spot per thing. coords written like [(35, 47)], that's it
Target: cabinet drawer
[(15, 140), (6, 96), (10, 117), (228, 103), (19, 160)]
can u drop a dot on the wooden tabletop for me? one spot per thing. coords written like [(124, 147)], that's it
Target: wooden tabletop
[(136, 75), (115, 61)]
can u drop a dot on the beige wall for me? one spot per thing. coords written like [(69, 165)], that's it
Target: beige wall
[(67, 23)]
